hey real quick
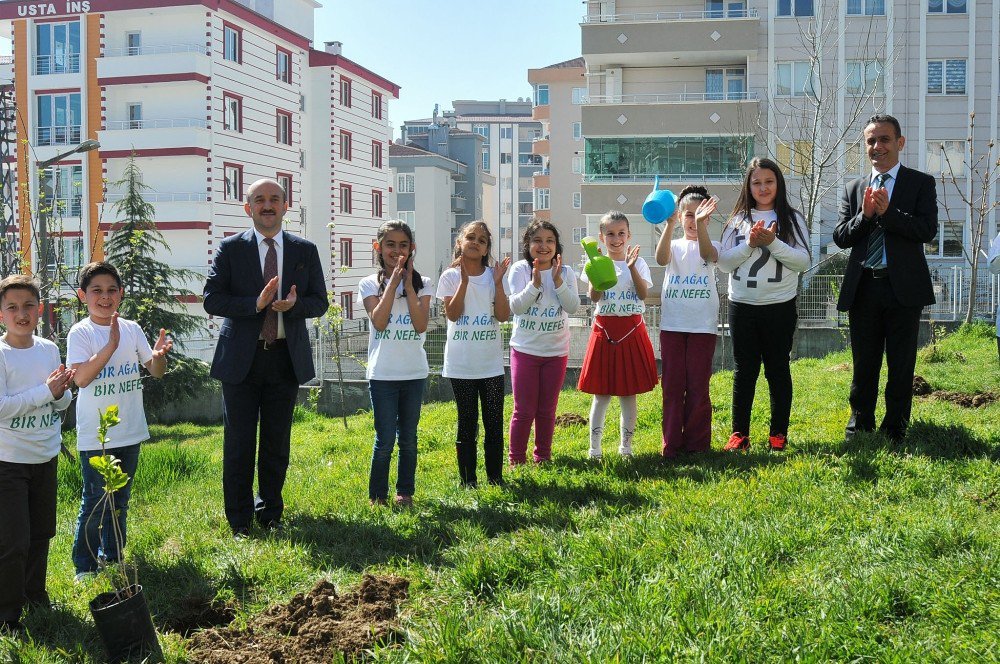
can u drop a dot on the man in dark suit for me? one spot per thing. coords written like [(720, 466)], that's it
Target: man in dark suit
[(885, 219), (263, 353)]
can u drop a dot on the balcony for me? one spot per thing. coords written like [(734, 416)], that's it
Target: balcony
[(155, 134), (67, 135), (670, 114), (540, 146), (541, 179), (119, 66), (670, 38), (185, 206), (43, 65), (541, 112), (458, 204)]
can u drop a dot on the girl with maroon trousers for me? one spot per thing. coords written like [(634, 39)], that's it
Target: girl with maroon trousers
[(689, 320), (542, 294)]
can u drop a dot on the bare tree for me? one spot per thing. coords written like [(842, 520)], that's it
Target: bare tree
[(980, 172)]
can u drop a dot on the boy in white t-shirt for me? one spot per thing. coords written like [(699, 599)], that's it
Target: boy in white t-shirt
[(33, 389), (106, 351)]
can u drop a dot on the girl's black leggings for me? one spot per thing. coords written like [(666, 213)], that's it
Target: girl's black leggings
[(469, 394)]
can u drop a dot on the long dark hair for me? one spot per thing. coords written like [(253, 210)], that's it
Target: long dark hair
[(386, 227), (535, 226), (789, 231), (461, 235)]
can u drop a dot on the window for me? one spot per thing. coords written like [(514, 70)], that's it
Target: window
[(482, 130), (725, 84), (678, 156), (953, 80), (347, 305), (346, 252), (506, 132), (579, 95), (795, 7), (864, 77), (61, 189), (234, 182), (541, 94), (946, 6), (345, 92), (853, 158), (284, 128), (795, 158), (376, 105), (135, 116), (505, 182), (795, 79), (133, 43), (725, 9), (409, 216), (59, 119), (949, 241), (57, 48), (232, 43), (505, 157), (285, 180), (866, 7), (486, 160), (577, 200), (404, 183), (946, 157), (577, 131), (541, 199), (283, 69), (579, 233), (232, 112), (376, 203), (345, 145), (376, 154), (345, 198)]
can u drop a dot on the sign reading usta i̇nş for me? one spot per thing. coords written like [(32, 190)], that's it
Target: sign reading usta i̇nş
[(42, 9)]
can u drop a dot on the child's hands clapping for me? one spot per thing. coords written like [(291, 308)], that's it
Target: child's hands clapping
[(536, 274), (557, 278), (463, 273), (631, 255), (59, 380), (163, 345), (115, 335), (761, 236), (705, 210), (499, 271)]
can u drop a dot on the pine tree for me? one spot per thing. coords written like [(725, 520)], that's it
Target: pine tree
[(151, 290)]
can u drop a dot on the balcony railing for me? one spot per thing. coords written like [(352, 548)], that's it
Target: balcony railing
[(648, 177), (651, 17), (69, 135), (675, 97), (155, 50), (63, 207), (458, 203), (56, 64), (161, 197), (160, 123)]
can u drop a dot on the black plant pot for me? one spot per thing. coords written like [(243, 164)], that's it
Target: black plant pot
[(126, 628)]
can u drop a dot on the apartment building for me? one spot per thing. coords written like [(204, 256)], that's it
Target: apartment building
[(208, 97), (690, 90), (507, 155), (559, 91)]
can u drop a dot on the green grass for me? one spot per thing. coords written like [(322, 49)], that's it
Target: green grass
[(832, 551)]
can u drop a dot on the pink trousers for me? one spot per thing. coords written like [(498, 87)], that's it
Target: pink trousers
[(536, 382), (687, 409)]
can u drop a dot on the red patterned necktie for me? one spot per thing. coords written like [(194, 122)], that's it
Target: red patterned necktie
[(270, 329)]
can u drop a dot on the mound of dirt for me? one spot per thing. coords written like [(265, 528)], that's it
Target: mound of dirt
[(570, 420), (966, 400), (921, 386), (312, 628)]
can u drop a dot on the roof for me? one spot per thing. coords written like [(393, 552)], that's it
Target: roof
[(575, 62), (397, 150), (494, 118)]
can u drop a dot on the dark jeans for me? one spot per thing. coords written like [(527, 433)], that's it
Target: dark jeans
[(469, 393), (267, 394), (28, 500), (95, 537), (396, 410), (879, 324), (762, 333)]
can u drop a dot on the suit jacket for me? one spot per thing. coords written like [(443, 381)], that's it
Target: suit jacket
[(909, 223), (234, 284)]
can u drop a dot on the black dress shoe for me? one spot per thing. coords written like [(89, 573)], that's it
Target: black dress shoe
[(241, 533)]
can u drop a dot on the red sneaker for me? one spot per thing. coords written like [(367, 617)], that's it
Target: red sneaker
[(737, 443), (778, 442)]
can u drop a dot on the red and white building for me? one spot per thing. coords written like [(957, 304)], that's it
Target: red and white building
[(210, 95)]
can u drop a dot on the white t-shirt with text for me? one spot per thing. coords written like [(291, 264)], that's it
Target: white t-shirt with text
[(690, 296), (621, 299), (119, 382), (397, 352), (474, 348), (541, 316)]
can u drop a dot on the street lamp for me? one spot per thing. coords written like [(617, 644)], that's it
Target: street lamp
[(43, 248)]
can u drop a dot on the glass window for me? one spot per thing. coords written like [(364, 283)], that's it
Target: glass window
[(505, 158), (577, 164), (866, 7), (541, 199), (376, 203), (345, 198), (795, 7), (409, 216), (946, 77), (284, 66), (482, 130), (863, 77), (285, 181), (934, 77), (577, 131), (135, 116), (61, 191), (672, 156), (234, 182), (57, 48), (946, 157), (232, 115), (133, 43), (59, 119), (345, 146), (284, 129), (345, 92), (376, 154), (347, 305), (376, 105), (486, 160), (541, 94), (579, 95), (404, 183), (232, 49), (795, 79), (346, 252), (577, 200), (725, 84), (946, 6), (506, 132)]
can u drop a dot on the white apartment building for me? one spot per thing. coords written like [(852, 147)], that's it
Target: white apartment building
[(209, 97), (559, 91), (690, 89)]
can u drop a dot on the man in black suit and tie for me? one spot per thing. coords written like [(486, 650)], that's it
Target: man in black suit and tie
[(263, 353), (885, 219)]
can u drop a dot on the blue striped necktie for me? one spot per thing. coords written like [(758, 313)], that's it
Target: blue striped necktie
[(876, 241)]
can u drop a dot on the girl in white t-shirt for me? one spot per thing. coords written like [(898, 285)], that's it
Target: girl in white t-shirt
[(542, 294), (764, 249), (689, 320), (398, 302), (619, 360), (475, 304)]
